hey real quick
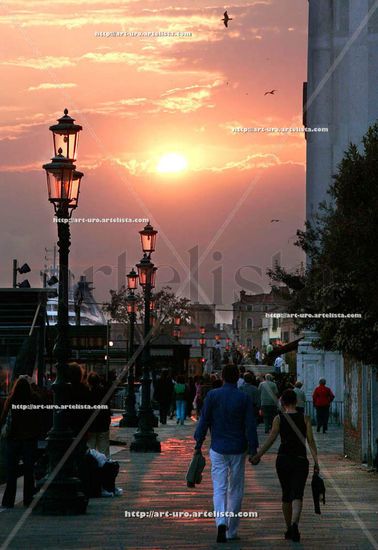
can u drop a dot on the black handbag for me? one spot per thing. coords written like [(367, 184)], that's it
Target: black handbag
[(318, 490)]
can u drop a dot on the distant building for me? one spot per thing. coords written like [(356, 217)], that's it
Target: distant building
[(202, 314), (248, 315)]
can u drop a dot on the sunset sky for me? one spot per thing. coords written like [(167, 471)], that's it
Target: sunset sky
[(140, 99)]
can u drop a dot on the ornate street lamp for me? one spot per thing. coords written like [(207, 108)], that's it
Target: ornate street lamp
[(147, 275), (129, 417), (145, 438), (63, 495), (132, 280), (66, 136), (148, 239)]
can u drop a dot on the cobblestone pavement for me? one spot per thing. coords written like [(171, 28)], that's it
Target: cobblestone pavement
[(157, 482)]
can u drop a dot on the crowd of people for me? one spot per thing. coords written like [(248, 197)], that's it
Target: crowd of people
[(231, 406), (22, 428)]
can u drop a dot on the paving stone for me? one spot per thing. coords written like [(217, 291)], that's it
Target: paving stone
[(157, 482)]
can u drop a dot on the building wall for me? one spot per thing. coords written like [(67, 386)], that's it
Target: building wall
[(313, 364), (254, 307), (202, 315), (342, 94), (360, 411), (342, 87), (352, 410)]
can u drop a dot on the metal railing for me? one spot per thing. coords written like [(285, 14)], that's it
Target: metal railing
[(336, 412)]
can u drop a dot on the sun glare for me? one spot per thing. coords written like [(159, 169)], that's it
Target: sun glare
[(172, 162)]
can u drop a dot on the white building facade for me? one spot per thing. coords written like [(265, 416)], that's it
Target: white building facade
[(342, 87), (341, 94)]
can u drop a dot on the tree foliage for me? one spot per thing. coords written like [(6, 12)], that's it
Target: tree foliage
[(167, 306), (342, 252)]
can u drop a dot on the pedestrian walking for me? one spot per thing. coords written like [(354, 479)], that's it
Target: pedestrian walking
[(198, 399), (20, 429), (190, 397), (180, 392), (241, 380), (250, 389), (258, 357), (229, 415), (268, 395), (301, 396), (208, 368), (278, 363), (322, 399), (163, 395), (292, 464)]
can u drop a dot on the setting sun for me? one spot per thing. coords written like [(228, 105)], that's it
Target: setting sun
[(172, 162)]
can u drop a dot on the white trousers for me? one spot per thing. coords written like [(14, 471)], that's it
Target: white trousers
[(227, 472)]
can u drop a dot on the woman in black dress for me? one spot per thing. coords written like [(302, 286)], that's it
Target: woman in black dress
[(292, 464), (21, 439)]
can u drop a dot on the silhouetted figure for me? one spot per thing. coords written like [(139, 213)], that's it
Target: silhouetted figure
[(22, 431), (163, 395), (98, 436)]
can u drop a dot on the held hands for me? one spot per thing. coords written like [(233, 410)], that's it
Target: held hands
[(254, 459), (316, 468)]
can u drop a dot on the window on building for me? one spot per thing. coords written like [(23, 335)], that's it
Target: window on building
[(373, 20), (286, 337), (237, 324), (249, 308), (275, 324), (341, 15), (249, 324), (249, 342)]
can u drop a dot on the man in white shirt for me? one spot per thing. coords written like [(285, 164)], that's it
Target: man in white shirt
[(278, 364)]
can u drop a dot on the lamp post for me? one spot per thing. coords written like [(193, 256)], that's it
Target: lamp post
[(129, 417), (202, 342), (145, 438), (63, 495), (177, 330), (23, 269)]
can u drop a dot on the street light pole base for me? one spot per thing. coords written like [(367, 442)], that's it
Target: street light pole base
[(129, 421), (64, 494), (145, 443), (63, 498)]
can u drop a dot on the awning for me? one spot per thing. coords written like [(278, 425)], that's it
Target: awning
[(291, 346)]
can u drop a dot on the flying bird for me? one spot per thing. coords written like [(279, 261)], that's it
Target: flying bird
[(271, 92), (274, 221), (226, 19)]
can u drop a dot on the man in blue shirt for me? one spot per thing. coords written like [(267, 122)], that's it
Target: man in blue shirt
[(230, 416)]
